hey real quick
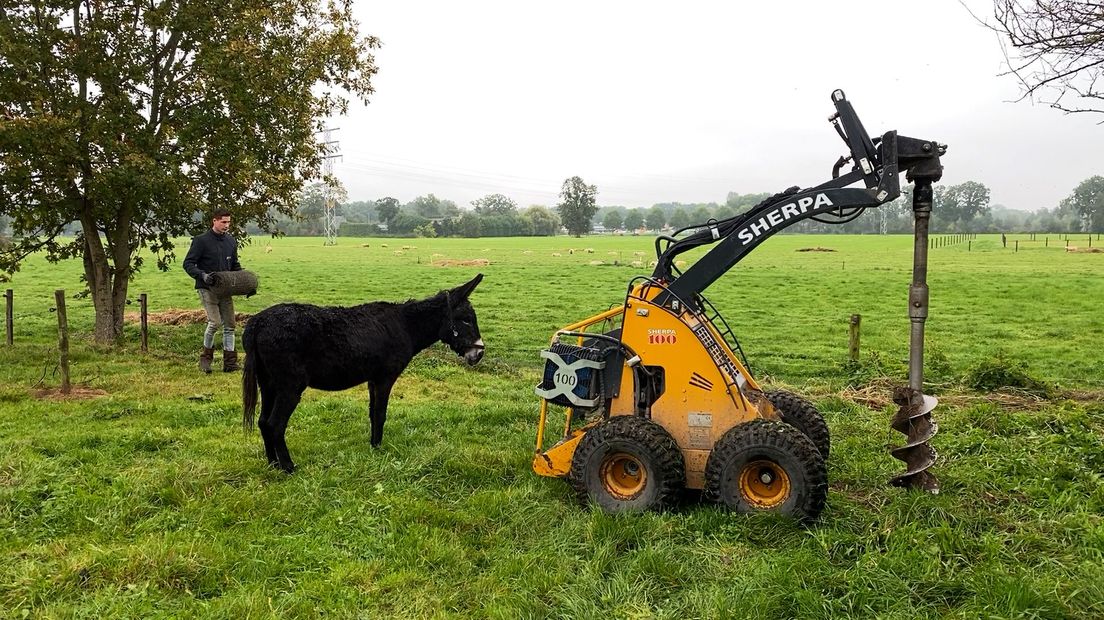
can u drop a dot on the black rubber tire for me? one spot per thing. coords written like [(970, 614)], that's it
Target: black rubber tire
[(803, 415), (784, 450), (651, 450)]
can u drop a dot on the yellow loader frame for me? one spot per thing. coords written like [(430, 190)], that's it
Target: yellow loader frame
[(707, 389)]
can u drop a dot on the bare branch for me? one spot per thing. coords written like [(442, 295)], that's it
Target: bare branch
[(1056, 50)]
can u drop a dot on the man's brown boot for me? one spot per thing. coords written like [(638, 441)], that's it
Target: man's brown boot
[(205, 359), (230, 361)]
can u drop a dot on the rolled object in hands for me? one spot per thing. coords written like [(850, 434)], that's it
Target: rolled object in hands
[(228, 283)]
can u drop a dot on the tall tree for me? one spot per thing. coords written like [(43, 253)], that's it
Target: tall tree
[(545, 222), (656, 218), (577, 205), (1057, 50), (613, 219), (679, 218), (742, 202), (359, 211), (701, 215), (387, 208), (961, 203), (135, 119), (724, 212), (494, 204), (471, 225), (634, 219), (430, 206), (1087, 202)]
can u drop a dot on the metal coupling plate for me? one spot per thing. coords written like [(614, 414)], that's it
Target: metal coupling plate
[(918, 301)]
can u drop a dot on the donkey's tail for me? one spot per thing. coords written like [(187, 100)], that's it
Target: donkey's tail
[(249, 391)]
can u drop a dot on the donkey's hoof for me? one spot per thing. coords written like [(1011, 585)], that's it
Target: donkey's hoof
[(287, 469)]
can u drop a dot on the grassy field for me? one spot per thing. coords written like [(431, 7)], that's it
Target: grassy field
[(149, 501)]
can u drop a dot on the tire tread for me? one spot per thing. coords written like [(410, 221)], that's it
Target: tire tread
[(670, 468), (756, 435)]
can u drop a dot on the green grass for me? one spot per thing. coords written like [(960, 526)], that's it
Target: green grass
[(150, 502)]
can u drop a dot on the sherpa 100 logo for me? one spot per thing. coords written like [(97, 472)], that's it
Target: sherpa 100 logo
[(661, 336), (778, 215)]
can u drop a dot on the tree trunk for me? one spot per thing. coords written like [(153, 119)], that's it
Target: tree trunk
[(121, 254), (108, 293)]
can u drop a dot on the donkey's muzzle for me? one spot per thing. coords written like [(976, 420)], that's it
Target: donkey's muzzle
[(474, 354)]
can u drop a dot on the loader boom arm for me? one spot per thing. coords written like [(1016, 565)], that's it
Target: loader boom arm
[(876, 164)]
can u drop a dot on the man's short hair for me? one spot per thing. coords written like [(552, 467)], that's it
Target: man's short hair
[(220, 213)]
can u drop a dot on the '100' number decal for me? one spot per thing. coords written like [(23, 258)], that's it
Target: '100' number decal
[(566, 378)]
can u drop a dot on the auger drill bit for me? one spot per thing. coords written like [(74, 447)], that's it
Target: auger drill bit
[(914, 417)]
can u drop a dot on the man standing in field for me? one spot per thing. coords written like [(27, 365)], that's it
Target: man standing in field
[(213, 251)]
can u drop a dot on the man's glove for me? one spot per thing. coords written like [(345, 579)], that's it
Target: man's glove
[(210, 278)]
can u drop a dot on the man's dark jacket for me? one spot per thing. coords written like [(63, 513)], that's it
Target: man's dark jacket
[(211, 252)]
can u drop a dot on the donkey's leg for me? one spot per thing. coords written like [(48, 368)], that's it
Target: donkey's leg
[(287, 399), (268, 396), (377, 408)]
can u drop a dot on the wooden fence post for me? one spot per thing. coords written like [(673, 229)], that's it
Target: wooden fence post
[(63, 339), (9, 318), (853, 348), (143, 302), (1017, 246)]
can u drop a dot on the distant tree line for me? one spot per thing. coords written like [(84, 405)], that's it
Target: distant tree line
[(494, 215), (964, 207)]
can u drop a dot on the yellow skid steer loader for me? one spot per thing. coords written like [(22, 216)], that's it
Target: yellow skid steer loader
[(654, 393)]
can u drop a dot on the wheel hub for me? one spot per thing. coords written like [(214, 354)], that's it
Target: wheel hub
[(623, 475), (764, 484)]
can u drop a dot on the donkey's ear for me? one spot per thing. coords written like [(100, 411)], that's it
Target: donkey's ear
[(464, 290)]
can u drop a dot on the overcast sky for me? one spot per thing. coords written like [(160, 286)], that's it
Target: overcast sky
[(685, 102)]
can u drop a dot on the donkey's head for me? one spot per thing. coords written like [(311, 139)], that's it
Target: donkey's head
[(460, 330)]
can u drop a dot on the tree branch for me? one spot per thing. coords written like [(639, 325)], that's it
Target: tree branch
[(1058, 47)]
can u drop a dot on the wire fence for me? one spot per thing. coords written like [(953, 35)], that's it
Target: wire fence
[(942, 241), (1070, 242), (12, 318)]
